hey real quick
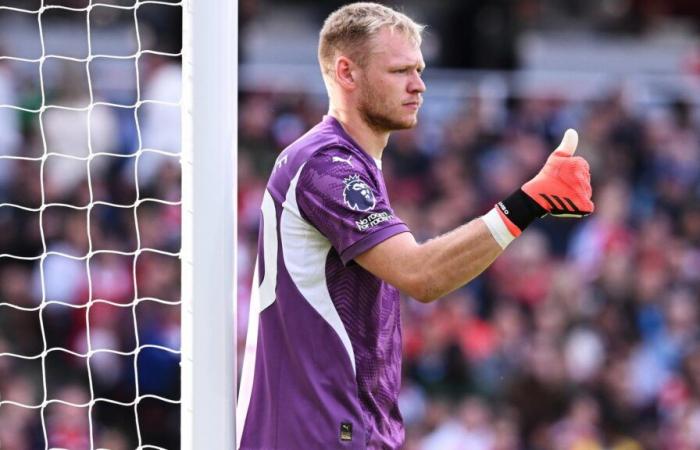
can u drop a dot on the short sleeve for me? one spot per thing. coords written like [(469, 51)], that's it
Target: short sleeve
[(346, 201)]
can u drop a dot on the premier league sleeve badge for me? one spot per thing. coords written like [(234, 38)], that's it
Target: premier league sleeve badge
[(357, 194)]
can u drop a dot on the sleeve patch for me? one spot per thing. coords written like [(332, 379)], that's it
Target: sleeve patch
[(357, 194)]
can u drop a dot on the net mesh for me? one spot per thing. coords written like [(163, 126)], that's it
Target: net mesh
[(89, 206)]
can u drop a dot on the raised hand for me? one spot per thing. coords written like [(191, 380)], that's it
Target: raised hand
[(563, 186)]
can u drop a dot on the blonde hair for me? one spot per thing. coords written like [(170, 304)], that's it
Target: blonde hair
[(349, 29)]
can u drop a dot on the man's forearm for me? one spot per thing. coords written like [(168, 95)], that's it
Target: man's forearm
[(431, 270), (455, 258)]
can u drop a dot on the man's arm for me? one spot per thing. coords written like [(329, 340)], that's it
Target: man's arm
[(437, 267), (428, 271)]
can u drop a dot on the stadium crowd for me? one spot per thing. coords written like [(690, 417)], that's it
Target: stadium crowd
[(69, 234), (583, 334)]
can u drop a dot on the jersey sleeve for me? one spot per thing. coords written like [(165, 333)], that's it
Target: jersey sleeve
[(339, 195)]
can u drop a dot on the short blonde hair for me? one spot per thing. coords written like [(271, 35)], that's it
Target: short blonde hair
[(350, 28)]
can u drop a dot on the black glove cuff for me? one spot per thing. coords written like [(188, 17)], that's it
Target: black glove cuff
[(520, 209)]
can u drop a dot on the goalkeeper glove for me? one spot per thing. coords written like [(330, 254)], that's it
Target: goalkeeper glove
[(562, 188)]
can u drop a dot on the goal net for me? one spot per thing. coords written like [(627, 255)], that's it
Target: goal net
[(90, 206)]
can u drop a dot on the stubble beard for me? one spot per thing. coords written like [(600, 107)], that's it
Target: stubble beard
[(378, 117)]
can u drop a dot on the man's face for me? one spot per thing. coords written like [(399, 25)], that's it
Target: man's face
[(391, 88)]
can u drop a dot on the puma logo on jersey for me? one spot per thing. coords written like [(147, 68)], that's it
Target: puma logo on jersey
[(339, 159)]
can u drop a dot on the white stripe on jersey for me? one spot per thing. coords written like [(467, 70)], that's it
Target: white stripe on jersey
[(245, 389), (260, 298), (269, 283), (305, 251)]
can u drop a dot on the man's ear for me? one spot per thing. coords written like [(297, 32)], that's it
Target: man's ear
[(346, 73)]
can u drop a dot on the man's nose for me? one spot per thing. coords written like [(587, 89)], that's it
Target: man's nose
[(416, 85)]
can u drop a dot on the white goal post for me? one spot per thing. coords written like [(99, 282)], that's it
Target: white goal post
[(209, 104)]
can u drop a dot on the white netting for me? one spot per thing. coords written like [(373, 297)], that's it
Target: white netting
[(89, 218)]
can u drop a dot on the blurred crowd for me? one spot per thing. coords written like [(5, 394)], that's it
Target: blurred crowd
[(86, 208), (584, 334)]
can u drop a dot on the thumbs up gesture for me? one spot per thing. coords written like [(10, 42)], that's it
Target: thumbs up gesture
[(563, 186)]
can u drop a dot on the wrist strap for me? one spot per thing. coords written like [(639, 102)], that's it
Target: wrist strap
[(520, 209), (508, 219)]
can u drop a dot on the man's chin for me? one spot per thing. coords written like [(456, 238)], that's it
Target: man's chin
[(404, 124), (408, 124), (388, 123)]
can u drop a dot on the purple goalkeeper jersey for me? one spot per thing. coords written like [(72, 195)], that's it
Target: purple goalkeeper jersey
[(322, 365)]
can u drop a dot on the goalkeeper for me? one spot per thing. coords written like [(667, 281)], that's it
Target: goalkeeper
[(322, 365)]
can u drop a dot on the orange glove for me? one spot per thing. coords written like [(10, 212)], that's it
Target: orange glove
[(562, 189), (563, 186)]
